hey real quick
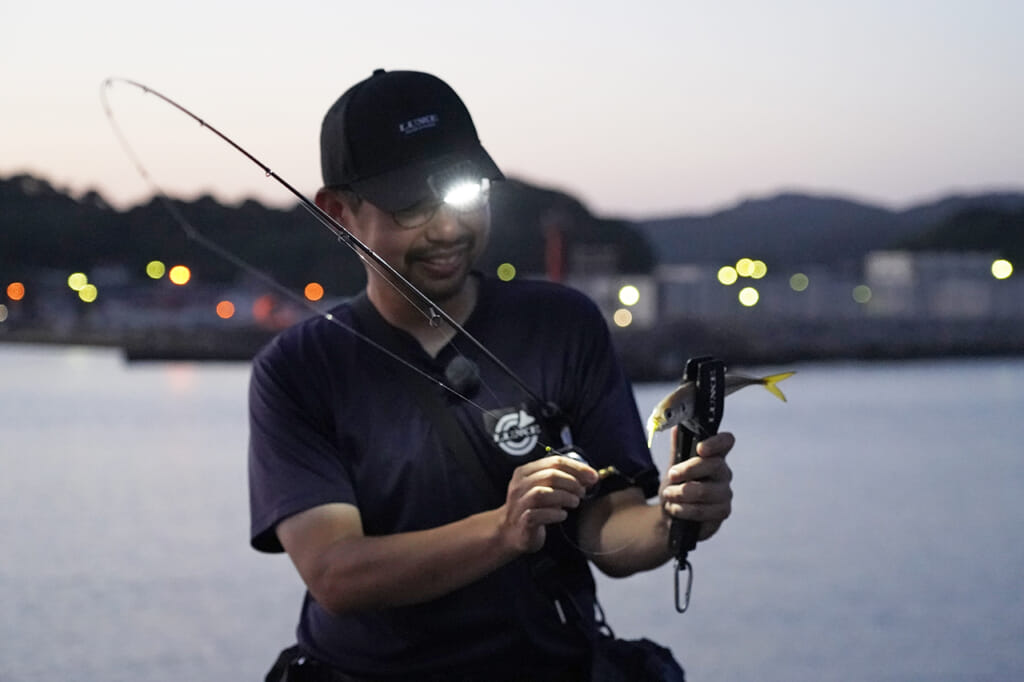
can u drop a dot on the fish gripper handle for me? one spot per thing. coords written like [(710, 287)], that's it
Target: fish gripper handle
[(682, 534), (708, 374)]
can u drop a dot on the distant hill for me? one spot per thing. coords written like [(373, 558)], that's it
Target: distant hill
[(795, 229), (42, 227), (523, 215), (977, 228)]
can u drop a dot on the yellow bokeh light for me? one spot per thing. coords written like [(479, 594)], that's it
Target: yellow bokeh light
[(749, 297), (862, 293), (629, 295), (155, 269), (745, 267), (622, 317), (77, 280), (759, 270), (180, 274), (799, 282), (727, 275), (1002, 268), (506, 272), (314, 291), (225, 310), (88, 293), (15, 291)]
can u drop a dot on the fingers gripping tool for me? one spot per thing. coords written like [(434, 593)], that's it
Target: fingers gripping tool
[(708, 375)]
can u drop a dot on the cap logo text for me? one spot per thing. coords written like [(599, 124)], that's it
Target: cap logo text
[(419, 123)]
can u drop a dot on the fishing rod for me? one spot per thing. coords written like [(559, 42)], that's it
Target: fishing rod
[(434, 313), (423, 303)]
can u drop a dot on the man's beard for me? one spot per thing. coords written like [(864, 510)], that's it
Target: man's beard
[(442, 292), (442, 289)]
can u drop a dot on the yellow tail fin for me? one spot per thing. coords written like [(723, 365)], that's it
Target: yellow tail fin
[(769, 383)]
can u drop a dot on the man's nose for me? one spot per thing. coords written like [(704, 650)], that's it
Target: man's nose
[(446, 225)]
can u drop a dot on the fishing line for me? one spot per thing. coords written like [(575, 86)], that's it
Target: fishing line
[(420, 301), (433, 312), (199, 237)]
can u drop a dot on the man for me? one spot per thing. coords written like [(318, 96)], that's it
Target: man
[(438, 533)]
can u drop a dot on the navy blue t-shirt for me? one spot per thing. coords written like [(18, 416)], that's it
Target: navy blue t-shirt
[(332, 419)]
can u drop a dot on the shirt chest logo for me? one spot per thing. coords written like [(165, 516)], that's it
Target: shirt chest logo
[(516, 432)]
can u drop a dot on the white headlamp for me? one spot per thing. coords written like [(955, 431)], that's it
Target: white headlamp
[(460, 186)]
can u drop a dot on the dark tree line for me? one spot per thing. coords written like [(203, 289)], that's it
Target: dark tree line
[(43, 227), (977, 229)]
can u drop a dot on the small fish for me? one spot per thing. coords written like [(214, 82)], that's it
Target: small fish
[(677, 407)]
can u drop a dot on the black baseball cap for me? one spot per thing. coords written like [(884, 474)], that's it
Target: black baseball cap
[(389, 136)]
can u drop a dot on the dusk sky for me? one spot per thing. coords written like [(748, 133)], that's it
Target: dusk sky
[(639, 109)]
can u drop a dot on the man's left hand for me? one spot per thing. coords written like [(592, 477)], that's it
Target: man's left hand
[(698, 489)]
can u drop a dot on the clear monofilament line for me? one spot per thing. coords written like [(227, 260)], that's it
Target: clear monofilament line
[(427, 307)]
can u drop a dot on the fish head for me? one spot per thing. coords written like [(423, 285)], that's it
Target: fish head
[(675, 408), (655, 423)]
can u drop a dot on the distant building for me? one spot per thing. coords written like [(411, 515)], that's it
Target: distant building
[(940, 285), (626, 300)]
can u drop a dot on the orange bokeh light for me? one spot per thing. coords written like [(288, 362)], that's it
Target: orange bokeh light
[(180, 275), (15, 291), (314, 292), (225, 310)]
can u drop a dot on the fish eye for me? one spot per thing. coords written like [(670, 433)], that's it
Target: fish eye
[(668, 413)]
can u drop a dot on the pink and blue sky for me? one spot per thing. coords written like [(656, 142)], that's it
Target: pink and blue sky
[(640, 109)]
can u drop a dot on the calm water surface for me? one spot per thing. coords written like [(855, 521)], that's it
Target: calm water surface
[(877, 532)]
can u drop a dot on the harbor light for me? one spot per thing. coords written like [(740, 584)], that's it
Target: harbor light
[(629, 295), (88, 293), (799, 282), (1002, 268), (749, 297), (622, 317), (155, 269), (862, 293), (745, 267), (314, 291), (77, 280), (759, 270), (225, 310), (506, 272), (727, 275), (180, 275), (15, 291), (3, 313)]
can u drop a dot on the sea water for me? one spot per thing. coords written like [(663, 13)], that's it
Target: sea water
[(877, 529)]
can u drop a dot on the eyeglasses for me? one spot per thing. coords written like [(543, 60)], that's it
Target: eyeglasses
[(467, 196)]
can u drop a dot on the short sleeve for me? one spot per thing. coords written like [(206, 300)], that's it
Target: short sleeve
[(294, 459)]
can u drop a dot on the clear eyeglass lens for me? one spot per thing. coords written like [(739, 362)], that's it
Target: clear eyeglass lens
[(417, 215)]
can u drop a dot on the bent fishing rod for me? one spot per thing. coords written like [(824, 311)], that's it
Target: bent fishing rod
[(423, 303)]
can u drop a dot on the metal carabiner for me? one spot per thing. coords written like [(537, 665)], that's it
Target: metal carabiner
[(688, 569)]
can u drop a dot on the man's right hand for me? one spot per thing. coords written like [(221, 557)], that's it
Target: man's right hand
[(542, 492)]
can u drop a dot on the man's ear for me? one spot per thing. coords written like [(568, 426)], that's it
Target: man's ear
[(332, 203)]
